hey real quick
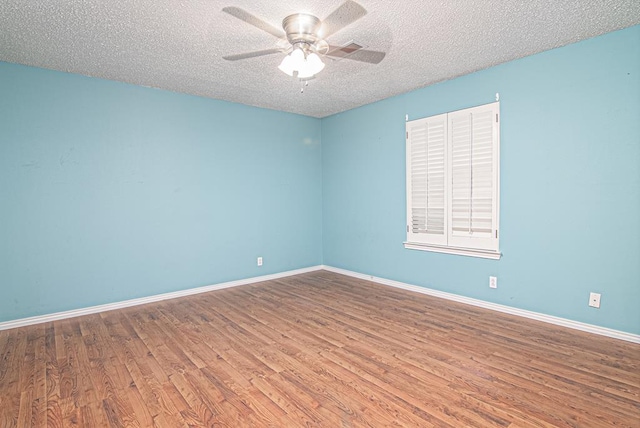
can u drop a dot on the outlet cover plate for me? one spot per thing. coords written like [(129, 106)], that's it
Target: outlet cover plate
[(259, 261), (594, 300), (493, 282)]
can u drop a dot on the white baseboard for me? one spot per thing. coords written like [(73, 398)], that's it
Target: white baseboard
[(603, 331), (590, 328), (150, 299)]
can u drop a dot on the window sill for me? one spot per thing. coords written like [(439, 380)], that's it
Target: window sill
[(485, 254)]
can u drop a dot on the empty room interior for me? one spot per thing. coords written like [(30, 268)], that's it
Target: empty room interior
[(319, 213)]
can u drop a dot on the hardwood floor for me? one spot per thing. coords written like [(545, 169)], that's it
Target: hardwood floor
[(318, 349)]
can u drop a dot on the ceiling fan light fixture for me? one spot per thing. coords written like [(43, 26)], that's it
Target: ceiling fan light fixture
[(298, 57), (292, 62), (315, 63), (306, 66), (312, 66), (287, 66)]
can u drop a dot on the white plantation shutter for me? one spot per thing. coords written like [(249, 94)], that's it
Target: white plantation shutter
[(453, 180), (426, 180), (474, 175)]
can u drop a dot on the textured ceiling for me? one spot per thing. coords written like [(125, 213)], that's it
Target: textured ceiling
[(178, 44)]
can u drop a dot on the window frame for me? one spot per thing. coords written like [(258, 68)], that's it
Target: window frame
[(484, 245)]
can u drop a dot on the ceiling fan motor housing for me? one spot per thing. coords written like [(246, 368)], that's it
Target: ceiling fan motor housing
[(302, 29)]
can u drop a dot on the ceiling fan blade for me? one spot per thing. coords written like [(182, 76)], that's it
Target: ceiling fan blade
[(253, 20), (362, 55), (344, 15), (252, 54)]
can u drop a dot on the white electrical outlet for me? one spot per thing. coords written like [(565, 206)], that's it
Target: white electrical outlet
[(493, 282), (259, 261), (594, 300)]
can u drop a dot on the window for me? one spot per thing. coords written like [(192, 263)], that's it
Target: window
[(453, 177)]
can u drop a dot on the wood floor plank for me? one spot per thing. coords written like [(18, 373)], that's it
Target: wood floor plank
[(315, 350), (200, 410)]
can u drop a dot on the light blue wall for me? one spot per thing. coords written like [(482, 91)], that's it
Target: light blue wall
[(111, 191), (570, 184)]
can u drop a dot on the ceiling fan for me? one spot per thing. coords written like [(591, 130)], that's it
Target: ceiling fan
[(303, 40)]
